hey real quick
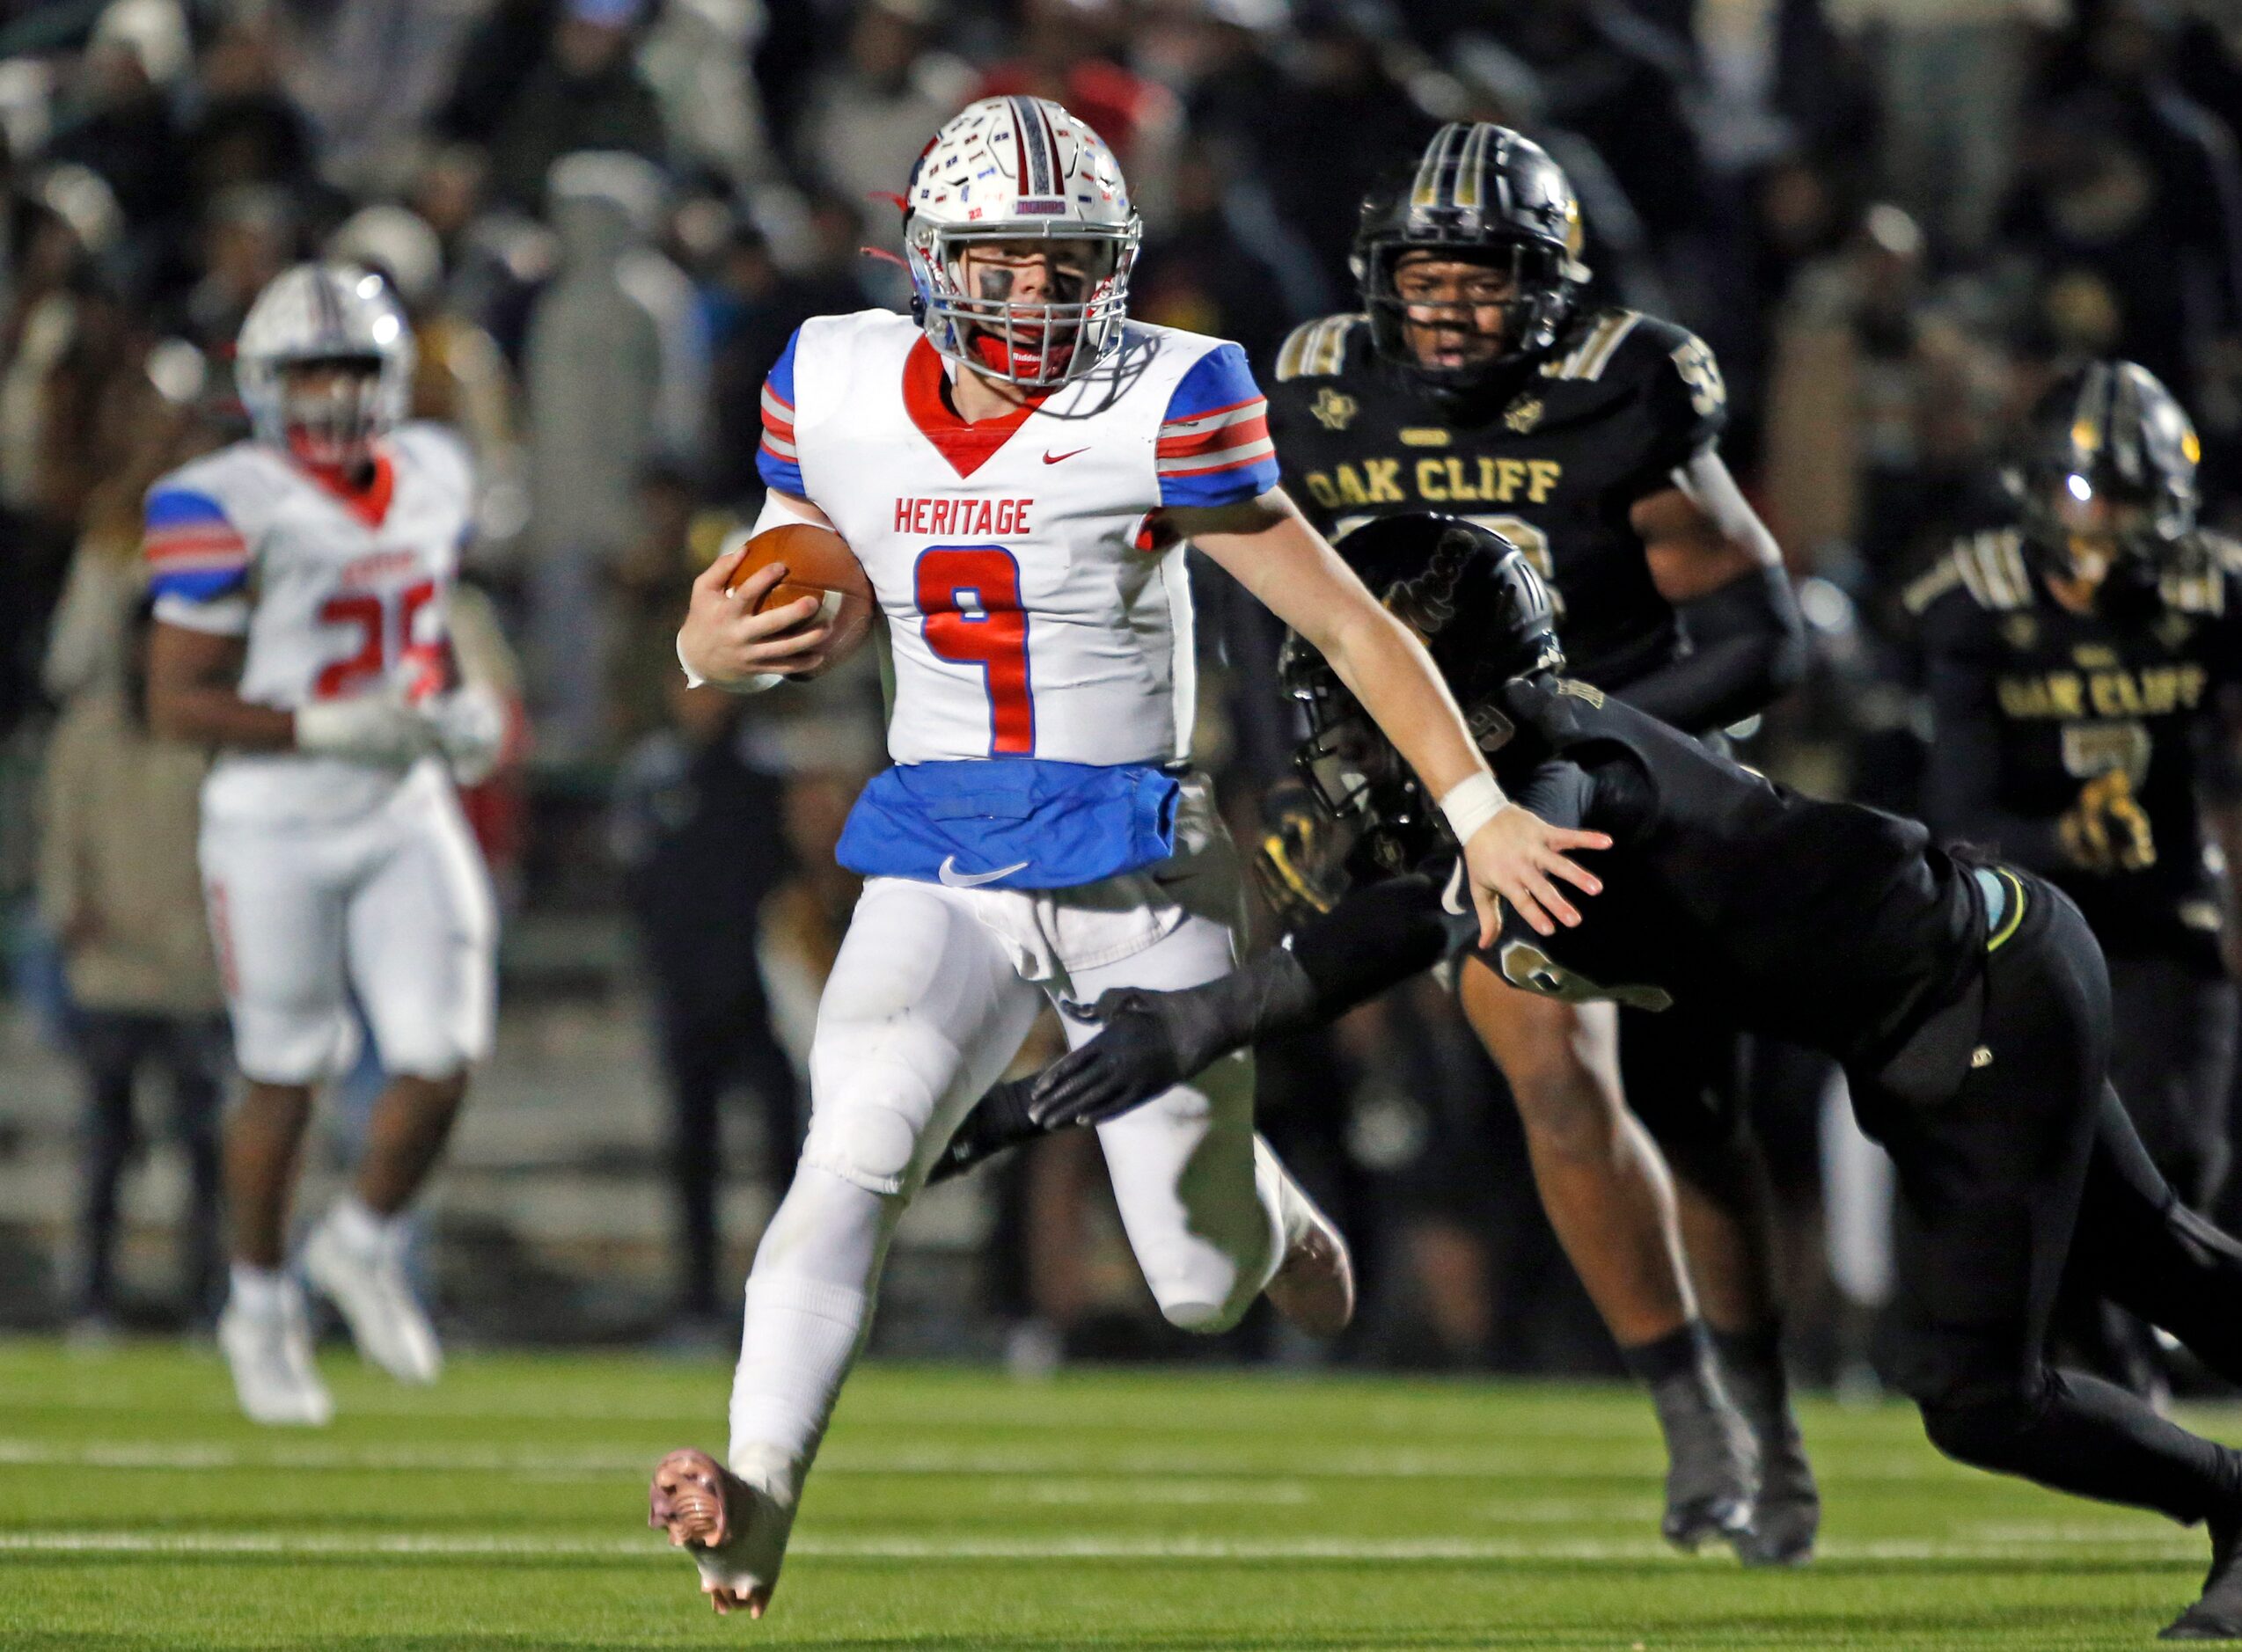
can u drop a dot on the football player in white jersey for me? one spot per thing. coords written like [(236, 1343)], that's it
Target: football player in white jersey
[(301, 580), (1016, 465)]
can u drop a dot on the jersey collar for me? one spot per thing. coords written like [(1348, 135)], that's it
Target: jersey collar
[(371, 503), (966, 446)]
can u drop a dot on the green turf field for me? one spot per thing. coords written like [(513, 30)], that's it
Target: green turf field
[(506, 1508)]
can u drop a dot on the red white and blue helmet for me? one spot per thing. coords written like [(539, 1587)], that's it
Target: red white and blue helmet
[(1011, 169), (331, 312)]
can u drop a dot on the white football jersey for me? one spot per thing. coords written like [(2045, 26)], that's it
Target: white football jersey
[(1034, 607), (338, 595)]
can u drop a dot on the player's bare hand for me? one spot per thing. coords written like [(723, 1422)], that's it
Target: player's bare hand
[(725, 641), (1521, 858)]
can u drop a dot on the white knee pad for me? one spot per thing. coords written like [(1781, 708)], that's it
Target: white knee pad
[(866, 1129)]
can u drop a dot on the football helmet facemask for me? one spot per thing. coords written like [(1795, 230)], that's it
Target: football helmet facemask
[(1483, 196)]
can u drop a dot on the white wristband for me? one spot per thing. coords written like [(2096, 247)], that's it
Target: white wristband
[(751, 685), (1471, 803)]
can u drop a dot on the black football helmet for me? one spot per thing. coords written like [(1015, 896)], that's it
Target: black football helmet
[(1486, 616), (2104, 477), (1483, 194)]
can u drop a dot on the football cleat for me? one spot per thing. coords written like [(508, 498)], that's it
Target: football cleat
[(1710, 1465), (2217, 1616), (367, 1286), (1787, 1515), (735, 1532), (1314, 1286), (270, 1356)]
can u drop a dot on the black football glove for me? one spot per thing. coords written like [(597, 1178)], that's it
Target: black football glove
[(999, 1120), (1153, 1040)]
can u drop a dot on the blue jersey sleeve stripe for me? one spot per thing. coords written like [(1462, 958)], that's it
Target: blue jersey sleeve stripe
[(783, 474), (1217, 380), (1232, 484), (181, 508), (198, 585)]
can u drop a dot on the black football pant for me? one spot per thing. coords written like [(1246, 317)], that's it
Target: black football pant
[(2009, 1148), (2174, 1065)]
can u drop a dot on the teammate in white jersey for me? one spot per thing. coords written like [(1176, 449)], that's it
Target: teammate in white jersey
[(301, 581), (1017, 466)]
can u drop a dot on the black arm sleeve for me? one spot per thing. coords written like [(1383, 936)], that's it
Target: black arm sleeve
[(1377, 938), (1962, 777), (1748, 647)]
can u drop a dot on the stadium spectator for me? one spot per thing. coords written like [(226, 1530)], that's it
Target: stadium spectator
[(582, 92), (869, 113), (117, 117), (119, 890), (616, 376), (697, 830), (1068, 50), (248, 130), (1884, 409), (2129, 205)]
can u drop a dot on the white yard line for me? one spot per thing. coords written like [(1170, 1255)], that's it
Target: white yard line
[(854, 1458), (2147, 1549)]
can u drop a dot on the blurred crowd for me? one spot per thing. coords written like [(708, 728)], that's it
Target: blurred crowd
[(1887, 218)]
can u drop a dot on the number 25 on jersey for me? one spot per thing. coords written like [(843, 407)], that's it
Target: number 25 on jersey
[(383, 622)]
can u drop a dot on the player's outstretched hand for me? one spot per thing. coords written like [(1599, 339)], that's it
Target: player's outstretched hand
[(1148, 1042), (1517, 857), (725, 641)]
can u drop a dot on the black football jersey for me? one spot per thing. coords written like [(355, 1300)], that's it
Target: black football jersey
[(2032, 703), (1726, 894), (1617, 405)]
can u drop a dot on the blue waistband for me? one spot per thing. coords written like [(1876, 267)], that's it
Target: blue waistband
[(1011, 824)]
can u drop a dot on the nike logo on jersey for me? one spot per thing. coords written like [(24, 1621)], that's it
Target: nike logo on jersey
[(952, 878), (1060, 458)]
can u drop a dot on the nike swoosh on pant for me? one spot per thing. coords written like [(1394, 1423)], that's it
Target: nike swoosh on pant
[(952, 878), (1452, 897)]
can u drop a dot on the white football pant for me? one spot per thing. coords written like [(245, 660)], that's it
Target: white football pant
[(932, 994), (393, 905)]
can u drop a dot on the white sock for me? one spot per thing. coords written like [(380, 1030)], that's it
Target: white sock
[(260, 1292), (800, 1340), (359, 1226), (809, 1305)]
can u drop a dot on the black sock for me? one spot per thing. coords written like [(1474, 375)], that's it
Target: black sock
[(1751, 1361), (1684, 1352)]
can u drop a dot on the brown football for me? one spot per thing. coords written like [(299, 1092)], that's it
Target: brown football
[(818, 564)]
